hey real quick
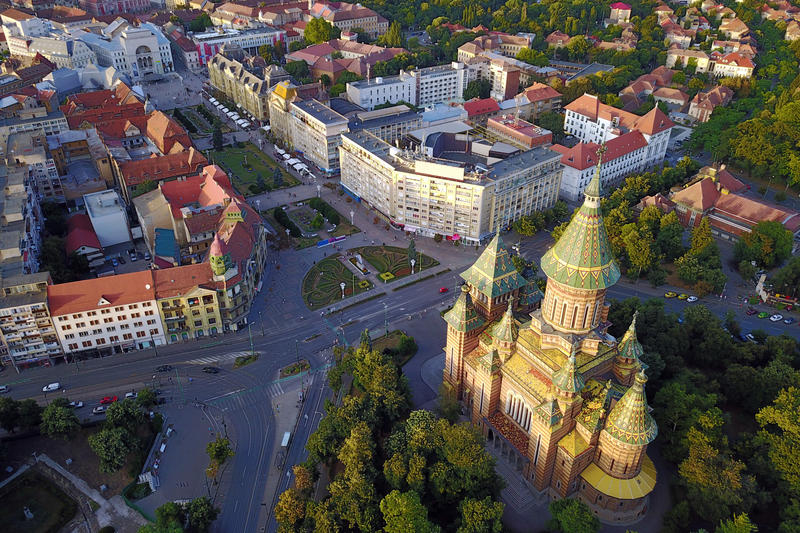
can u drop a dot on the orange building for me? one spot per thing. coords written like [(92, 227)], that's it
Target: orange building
[(561, 398)]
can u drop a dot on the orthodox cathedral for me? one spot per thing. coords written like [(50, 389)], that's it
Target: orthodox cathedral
[(545, 381)]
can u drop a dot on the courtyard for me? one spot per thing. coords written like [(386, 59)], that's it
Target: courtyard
[(250, 170), (322, 284), (50, 506)]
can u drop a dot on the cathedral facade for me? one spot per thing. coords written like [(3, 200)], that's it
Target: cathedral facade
[(543, 379)]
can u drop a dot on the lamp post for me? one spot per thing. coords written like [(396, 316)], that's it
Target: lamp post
[(261, 321), (386, 318), (319, 190), (288, 242), (352, 213), (342, 285), (413, 262)]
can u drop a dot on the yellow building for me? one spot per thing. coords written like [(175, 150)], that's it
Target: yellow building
[(186, 298), (562, 399)]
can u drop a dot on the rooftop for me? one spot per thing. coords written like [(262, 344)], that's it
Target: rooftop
[(320, 112), (80, 296)]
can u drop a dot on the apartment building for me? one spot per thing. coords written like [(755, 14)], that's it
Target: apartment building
[(245, 79), (624, 155), (518, 132), (29, 149), (389, 124), (209, 43), (383, 89), (114, 7), (349, 16), (502, 43), (315, 131), (186, 297), (27, 334), (106, 315), (109, 219), (591, 121), (463, 188), (48, 124), (20, 222)]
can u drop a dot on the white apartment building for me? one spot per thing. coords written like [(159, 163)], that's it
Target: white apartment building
[(423, 87), (27, 335), (592, 121), (21, 222), (465, 200), (107, 214), (315, 130), (107, 315), (624, 156), (49, 124), (137, 51), (211, 42), (17, 23), (30, 150)]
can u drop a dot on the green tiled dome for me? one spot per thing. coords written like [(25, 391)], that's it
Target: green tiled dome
[(629, 421), (506, 330), (493, 273), (463, 317), (567, 378)]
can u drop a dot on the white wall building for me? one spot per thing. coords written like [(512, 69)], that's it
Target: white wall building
[(591, 121), (209, 43), (316, 132), (107, 213), (107, 315), (133, 50)]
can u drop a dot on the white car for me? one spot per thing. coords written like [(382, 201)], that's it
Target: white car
[(3, 389), (776, 318), (76, 405), (691, 299), (131, 394), (99, 410), (51, 387)]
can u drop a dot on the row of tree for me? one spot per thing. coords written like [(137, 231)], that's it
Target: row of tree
[(392, 469)]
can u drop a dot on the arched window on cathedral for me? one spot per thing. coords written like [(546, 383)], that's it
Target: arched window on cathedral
[(563, 313), (586, 316), (553, 309), (574, 317)]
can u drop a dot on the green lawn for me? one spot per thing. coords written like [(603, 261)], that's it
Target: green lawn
[(233, 160), (50, 506), (321, 284), (393, 260)]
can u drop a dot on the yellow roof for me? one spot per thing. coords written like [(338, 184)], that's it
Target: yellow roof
[(573, 443), (623, 489)]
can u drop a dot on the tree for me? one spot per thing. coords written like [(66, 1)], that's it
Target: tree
[(298, 69), (740, 523), (146, 398), (216, 137), (639, 246), (169, 519), (769, 243), (412, 251), (780, 428), (290, 509), (303, 480), (533, 57), (480, 516), (219, 450), (578, 47), (572, 516), (111, 445), (393, 38), (702, 237), (403, 512), (200, 23), (298, 45), (670, 236), (201, 513), (9, 414), (550, 120), (477, 89), (30, 414), (58, 421), (125, 414), (325, 80), (144, 187), (319, 30)]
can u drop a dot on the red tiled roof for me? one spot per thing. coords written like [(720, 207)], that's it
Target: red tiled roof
[(539, 91), (736, 59), (700, 196), (727, 180), (755, 211), (81, 233), (557, 37), (178, 281), (584, 155), (620, 5), (210, 187), (659, 200), (655, 121), (481, 106), (165, 131), (79, 296), (581, 156), (164, 167)]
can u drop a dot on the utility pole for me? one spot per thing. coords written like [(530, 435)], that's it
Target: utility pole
[(250, 333)]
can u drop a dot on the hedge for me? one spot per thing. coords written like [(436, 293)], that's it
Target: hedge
[(327, 211), (284, 220)]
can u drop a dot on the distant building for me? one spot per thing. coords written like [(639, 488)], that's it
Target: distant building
[(209, 43), (316, 133), (517, 131), (26, 329), (357, 58), (349, 17), (114, 7), (704, 103), (131, 174), (109, 220), (21, 222), (620, 14)]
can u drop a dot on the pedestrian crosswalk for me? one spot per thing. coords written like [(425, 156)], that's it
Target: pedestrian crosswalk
[(246, 397), (218, 359)]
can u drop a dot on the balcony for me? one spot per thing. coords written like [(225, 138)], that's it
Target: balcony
[(174, 318)]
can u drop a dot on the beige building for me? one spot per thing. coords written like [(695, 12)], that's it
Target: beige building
[(26, 330), (469, 197), (187, 301), (315, 131), (245, 80)]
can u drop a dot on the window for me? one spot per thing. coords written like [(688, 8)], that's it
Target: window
[(87, 344), (100, 341), (127, 336), (73, 346), (140, 334)]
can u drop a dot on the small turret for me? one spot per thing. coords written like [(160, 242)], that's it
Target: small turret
[(505, 332), (629, 353), (630, 421), (567, 379)]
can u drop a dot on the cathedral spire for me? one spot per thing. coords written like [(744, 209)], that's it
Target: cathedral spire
[(629, 346), (506, 330), (568, 378), (463, 317), (630, 421)]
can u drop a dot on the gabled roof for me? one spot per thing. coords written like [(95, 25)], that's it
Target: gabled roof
[(700, 196), (481, 106), (80, 232), (630, 421), (493, 274), (754, 211), (79, 296), (163, 167), (655, 121), (179, 281), (539, 91), (463, 317)]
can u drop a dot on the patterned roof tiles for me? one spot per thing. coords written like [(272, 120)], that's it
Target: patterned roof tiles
[(630, 347), (630, 421), (493, 274), (463, 317)]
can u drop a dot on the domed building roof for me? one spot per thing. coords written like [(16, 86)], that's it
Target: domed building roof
[(630, 421), (582, 257), (506, 329)]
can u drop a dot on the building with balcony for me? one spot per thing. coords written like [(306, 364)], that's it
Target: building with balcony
[(461, 186), (27, 334), (106, 315), (187, 301), (349, 16), (20, 222), (210, 43), (315, 131)]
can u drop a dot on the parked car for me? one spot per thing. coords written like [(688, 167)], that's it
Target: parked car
[(788, 320), (691, 299), (76, 405), (750, 311), (763, 314), (108, 399), (211, 370), (670, 294), (131, 395), (147, 256), (683, 296), (114, 261), (99, 410), (442, 290), (776, 318), (51, 387), (750, 337), (3, 389), (164, 368)]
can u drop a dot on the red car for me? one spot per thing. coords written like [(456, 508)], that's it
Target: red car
[(750, 311), (108, 399), (443, 290)]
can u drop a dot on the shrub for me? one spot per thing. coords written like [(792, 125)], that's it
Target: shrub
[(327, 211), (284, 220), (437, 238)]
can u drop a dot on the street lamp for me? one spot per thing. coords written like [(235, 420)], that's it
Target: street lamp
[(342, 285), (351, 217), (386, 318), (258, 205), (413, 262), (319, 190)]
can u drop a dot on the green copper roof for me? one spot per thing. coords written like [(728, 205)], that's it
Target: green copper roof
[(490, 360), (506, 330), (463, 317), (550, 411), (594, 189), (582, 257), (629, 421), (568, 378), (530, 294), (629, 347), (493, 273)]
